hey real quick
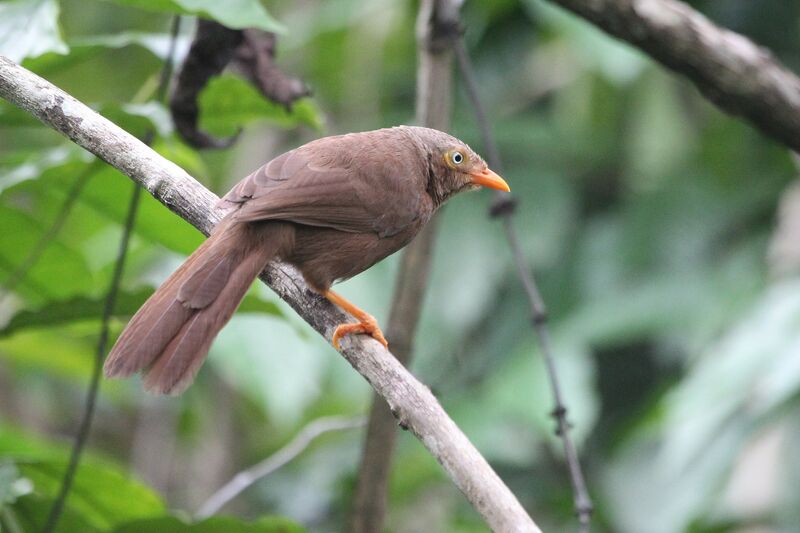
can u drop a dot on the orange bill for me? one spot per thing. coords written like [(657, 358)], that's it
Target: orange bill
[(488, 178)]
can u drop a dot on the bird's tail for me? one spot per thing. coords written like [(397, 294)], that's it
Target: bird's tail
[(169, 337)]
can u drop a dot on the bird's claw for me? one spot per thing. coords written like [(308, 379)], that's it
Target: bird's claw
[(368, 326)]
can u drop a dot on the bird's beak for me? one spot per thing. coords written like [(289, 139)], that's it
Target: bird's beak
[(487, 178)]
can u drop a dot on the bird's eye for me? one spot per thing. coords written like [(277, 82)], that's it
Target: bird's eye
[(454, 158)]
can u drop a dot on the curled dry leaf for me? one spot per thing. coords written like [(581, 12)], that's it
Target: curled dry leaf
[(255, 59), (250, 52)]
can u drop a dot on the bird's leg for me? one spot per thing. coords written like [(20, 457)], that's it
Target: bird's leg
[(366, 322)]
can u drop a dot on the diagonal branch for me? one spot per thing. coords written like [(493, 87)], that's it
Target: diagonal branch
[(411, 402), (739, 76), (504, 207), (244, 479)]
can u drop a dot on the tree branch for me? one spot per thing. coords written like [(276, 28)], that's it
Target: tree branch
[(729, 69), (504, 207), (410, 401), (244, 479), (436, 24)]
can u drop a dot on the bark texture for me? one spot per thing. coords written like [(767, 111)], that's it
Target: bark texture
[(739, 76)]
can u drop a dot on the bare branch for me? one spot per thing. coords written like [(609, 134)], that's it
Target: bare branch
[(729, 69), (504, 207), (296, 446), (411, 402)]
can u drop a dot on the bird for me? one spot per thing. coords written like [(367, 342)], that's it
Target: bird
[(332, 208)]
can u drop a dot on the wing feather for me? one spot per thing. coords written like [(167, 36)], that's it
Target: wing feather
[(337, 184)]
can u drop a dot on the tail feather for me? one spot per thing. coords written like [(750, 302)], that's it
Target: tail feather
[(176, 367), (205, 283), (169, 337)]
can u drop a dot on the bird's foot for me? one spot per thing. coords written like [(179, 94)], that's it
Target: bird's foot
[(367, 325)]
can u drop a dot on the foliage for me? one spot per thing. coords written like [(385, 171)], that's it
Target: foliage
[(646, 213)]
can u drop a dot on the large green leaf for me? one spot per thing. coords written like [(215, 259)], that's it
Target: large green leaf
[(40, 182), (228, 103), (18, 167), (61, 270), (108, 193), (157, 43), (30, 513), (231, 13), (102, 496), (80, 308), (58, 352), (29, 28), (268, 524)]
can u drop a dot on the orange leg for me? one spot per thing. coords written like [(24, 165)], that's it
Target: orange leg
[(366, 322)]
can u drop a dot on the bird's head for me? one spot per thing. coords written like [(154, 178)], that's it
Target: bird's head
[(453, 166)]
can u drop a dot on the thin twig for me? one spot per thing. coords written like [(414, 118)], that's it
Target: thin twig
[(504, 207), (94, 384), (108, 311), (41, 245), (294, 448)]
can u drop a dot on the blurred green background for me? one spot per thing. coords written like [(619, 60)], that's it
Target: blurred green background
[(651, 220)]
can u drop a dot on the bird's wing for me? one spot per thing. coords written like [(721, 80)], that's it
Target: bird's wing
[(333, 185)]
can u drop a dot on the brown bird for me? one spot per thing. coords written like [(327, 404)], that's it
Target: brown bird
[(333, 208)]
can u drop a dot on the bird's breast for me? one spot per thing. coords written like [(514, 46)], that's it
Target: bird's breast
[(325, 256)]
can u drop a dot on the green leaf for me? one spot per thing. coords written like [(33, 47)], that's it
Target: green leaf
[(231, 13), (19, 444), (139, 119), (228, 103), (267, 524), (103, 496), (63, 352), (30, 513), (33, 166), (40, 185), (29, 28), (107, 194), (61, 270), (157, 43), (88, 308)]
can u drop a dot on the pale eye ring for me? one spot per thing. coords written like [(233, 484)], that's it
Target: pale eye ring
[(457, 158)]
